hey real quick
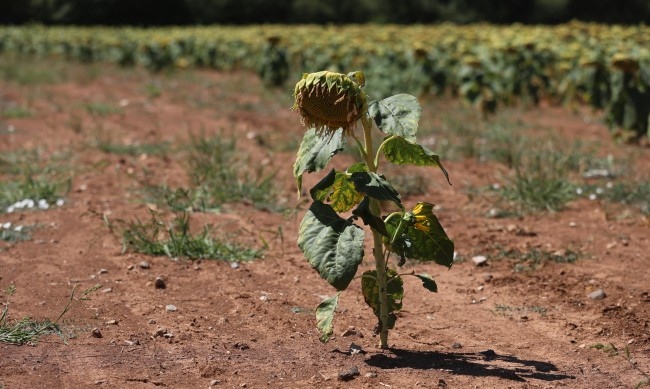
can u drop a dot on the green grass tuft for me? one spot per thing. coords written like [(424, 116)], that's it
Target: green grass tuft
[(154, 237)]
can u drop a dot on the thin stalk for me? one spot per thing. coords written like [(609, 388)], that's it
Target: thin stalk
[(380, 262)]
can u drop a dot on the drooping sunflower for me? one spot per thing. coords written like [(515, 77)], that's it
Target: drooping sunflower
[(328, 101)]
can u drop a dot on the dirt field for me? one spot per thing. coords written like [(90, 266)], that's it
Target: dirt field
[(493, 326)]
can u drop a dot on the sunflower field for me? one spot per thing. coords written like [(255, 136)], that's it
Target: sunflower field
[(604, 66)]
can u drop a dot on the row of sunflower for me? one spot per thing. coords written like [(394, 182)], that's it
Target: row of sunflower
[(607, 67)]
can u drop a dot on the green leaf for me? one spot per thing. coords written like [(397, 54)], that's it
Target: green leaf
[(423, 238), (400, 151), (376, 222), (375, 186), (315, 153), (428, 282), (397, 115), (394, 290), (332, 245), (337, 189), (325, 315)]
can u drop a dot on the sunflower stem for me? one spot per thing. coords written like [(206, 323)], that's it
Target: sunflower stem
[(380, 262)]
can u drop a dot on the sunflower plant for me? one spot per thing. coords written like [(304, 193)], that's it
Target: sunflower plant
[(332, 105)]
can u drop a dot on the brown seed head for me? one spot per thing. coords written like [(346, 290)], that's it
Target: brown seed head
[(328, 101)]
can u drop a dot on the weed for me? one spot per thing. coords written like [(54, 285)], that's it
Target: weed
[(16, 112), (219, 174), (541, 179), (533, 259), (10, 290), (15, 69), (15, 234), (34, 184), (16, 195), (101, 109), (506, 308), (635, 194), (611, 350), (176, 241), (153, 89), (27, 331), (108, 147)]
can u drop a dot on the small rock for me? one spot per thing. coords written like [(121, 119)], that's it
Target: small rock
[(130, 267), (442, 383), (264, 297), (456, 345), (160, 331), (159, 283), (234, 265), (214, 382), (151, 321), (171, 308), (107, 290), (349, 374), (349, 332), (96, 333), (112, 322), (572, 224), (356, 349), (488, 277), (102, 271), (370, 374), (597, 294), (128, 343), (480, 288), (479, 260), (145, 265)]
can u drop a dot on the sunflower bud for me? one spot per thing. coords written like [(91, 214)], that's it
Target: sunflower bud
[(328, 101)]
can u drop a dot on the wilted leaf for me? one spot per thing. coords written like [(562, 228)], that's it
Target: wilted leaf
[(400, 151), (325, 316), (428, 282), (423, 238)]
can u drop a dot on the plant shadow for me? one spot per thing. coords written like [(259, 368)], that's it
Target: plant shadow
[(482, 364)]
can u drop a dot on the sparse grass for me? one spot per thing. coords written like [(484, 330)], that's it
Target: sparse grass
[(15, 112), (501, 308), (28, 331), (219, 174), (545, 176), (160, 148), (634, 194), (24, 71), (611, 350), (30, 177), (534, 259), (10, 290), (153, 89), (34, 189), (99, 108), (14, 234), (154, 237)]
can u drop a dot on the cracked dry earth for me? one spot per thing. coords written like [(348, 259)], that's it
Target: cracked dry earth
[(252, 325)]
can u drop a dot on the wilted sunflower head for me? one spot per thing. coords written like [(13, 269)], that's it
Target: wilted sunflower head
[(328, 101)]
